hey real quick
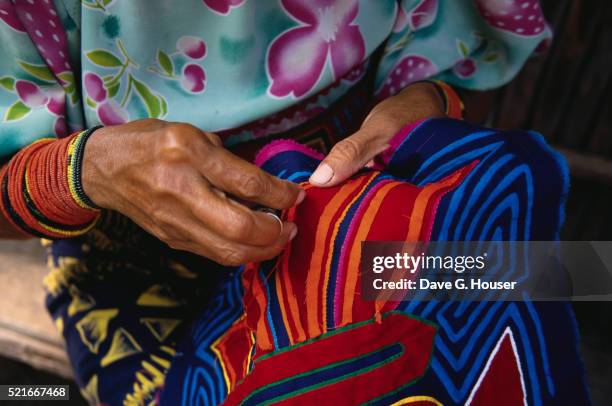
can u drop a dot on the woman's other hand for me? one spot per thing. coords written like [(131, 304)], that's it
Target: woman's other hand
[(181, 185), (418, 101)]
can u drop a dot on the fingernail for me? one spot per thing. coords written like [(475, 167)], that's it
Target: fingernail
[(322, 175), (300, 197)]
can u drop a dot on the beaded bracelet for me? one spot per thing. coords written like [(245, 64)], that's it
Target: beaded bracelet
[(453, 108), (75, 166), (453, 105), (41, 193)]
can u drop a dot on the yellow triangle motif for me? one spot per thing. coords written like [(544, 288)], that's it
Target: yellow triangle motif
[(181, 270), (90, 391), (158, 295), (160, 328), (123, 345), (94, 326), (80, 302)]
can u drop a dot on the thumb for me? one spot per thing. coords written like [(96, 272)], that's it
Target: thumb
[(346, 158)]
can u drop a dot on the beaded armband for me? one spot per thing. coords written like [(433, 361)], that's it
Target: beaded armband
[(41, 193)]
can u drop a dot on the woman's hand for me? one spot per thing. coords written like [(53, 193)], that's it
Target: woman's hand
[(181, 185), (416, 102)]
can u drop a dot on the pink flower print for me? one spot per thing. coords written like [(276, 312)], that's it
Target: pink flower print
[(111, 113), (57, 101), (9, 17), (193, 78), (45, 29), (223, 6), (410, 69), (94, 87), (30, 94), (60, 126), (192, 47), (401, 20), (423, 15), (297, 57), (521, 17), (355, 74), (465, 68)]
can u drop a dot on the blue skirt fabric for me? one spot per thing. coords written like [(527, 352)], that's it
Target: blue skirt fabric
[(140, 331)]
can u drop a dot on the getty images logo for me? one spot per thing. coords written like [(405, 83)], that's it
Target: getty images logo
[(412, 263)]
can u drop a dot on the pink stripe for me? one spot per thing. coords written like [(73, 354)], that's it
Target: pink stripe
[(279, 146)]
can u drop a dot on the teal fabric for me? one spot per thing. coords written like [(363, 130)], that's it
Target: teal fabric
[(221, 64)]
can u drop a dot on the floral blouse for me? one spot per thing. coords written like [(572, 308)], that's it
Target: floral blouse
[(224, 65)]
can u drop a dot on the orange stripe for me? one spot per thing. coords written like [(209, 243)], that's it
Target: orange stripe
[(316, 260), (454, 104), (415, 227), (263, 338), (422, 202), (355, 255), (285, 287), (327, 268)]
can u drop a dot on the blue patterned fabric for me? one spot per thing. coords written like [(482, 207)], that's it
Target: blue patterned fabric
[(516, 192)]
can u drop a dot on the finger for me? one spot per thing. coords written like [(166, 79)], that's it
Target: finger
[(213, 138), (236, 222), (233, 254), (246, 181), (226, 252), (192, 235), (347, 157)]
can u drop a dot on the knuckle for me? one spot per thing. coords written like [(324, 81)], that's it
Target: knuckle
[(231, 257), (347, 149), (174, 143), (251, 185), (159, 217), (213, 139), (212, 163)]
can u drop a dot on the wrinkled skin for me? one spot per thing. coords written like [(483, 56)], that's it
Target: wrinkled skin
[(179, 183), (415, 102)]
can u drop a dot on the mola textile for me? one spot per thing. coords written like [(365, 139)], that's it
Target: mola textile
[(295, 330)]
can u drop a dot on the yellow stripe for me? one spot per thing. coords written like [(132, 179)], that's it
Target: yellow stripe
[(158, 376), (71, 158), (415, 399), (164, 363)]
